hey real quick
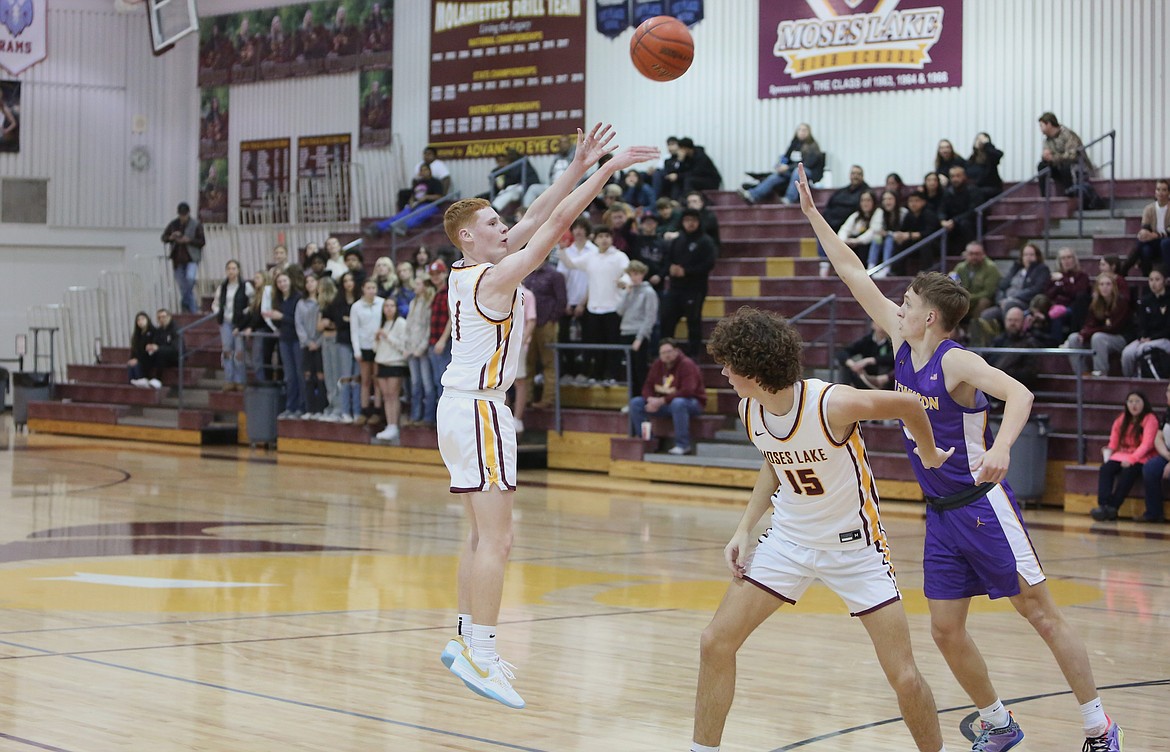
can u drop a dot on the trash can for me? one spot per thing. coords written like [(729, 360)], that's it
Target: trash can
[(28, 386), (3, 388), (1026, 473), (261, 406)]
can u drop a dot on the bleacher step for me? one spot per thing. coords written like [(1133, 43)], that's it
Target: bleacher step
[(695, 460)]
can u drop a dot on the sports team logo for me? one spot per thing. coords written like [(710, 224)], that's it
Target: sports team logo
[(17, 15), (22, 33)]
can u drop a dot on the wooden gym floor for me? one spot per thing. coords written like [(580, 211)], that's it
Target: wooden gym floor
[(168, 598)]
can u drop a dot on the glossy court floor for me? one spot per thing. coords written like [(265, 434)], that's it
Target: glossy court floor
[(162, 598)]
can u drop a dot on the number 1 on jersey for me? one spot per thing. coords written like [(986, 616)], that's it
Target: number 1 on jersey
[(808, 482)]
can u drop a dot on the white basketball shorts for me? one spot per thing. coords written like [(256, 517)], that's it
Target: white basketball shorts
[(477, 441)]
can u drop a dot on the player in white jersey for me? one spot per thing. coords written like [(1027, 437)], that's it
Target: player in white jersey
[(476, 435), (825, 525)]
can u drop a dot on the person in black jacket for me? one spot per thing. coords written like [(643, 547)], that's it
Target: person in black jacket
[(919, 222), (696, 172), (957, 212), (185, 237), (841, 204), (1153, 326), (691, 257), (165, 347), (142, 365), (868, 363), (231, 307), (650, 249), (983, 166)]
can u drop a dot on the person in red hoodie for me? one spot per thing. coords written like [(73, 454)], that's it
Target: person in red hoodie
[(674, 386), (1131, 443)]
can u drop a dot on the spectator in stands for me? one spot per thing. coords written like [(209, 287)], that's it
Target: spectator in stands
[(425, 192), (1153, 239), (697, 171), (895, 184), (141, 365), (384, 277), (803, 149), (841, 204), (638, 308), (1020, 366), (348, 380), (650, 249), (422, 384), (636, 191), (438, 170), (230, 304), (619, 218), (279, 260), (884, 245), (918, 222), (390, 359), (1060, 153), (510, 185), (404, 290), (669, 214), (257, 325), (600, 322), (983, 166), (566, 148), (185, 237), (666, 177), (570, 263), (1069, 289), (932, 188), (958, 209), (674, 386), (1131, 444), (707, 220), (1037, 323), (422, 259), (355, 265), (284, 311), (521, 385), (550, 300), (1029, 276), (979, 277), (270, 339), (439, 339), (945, 159), (335, 265), (861, 227), (317, 262), (691, 257), (365, 317), (309, 335), (1152, 316), (1155, 471), (1107, 319), (331, 354), (165, 347), (868, 362)]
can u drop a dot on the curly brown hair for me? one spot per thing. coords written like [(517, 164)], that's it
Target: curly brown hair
[(758, 345)]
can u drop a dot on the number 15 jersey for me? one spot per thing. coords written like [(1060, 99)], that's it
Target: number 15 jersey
[(827, 495)]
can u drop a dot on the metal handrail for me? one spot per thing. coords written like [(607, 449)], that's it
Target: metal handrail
[(1111, 164), (1080, 354), (939, 234), (831, 333), (525, 167), (452, 195), (183, 348), (558, 346), (982, 208)]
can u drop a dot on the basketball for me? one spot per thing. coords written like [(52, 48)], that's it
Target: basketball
[(662, 48)]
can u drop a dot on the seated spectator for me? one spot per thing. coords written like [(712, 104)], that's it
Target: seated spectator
[(1038, 324), (638, 308), (958, 209), (1029, 276), (869, 361), (1131, 444), (1155, 471), (1152, 316), (803, 149), (690, 257), (895, 184), (636, 191), (600, 322), (674, 386), (932, 189), (945, 159), (439, 171), (1153, 239), (1105, 324), (611, 194), (860, 228), (1060, 153), (1020, 366), (983, 166), (884, 228), (566, 148), (979, 277), (165, 347), (510, 184), (667, 176), (426, 190), (141, 365), (919, 221), (844, 202), (697, 171), (1069, 290), (669, 214), (650, 248)]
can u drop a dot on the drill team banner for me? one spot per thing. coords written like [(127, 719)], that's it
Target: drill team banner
[(847, 46)]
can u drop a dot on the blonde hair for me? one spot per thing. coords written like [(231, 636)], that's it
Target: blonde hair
[(460, 214), (637, 267)]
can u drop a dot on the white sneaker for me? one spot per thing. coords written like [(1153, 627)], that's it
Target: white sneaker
[(519, 426), (678, 451), (345, 418), (389, 433), (882, 273), (492, 681), (824, 268), (454, 647), (609, 382), (140, 383), (625, 409), (330, 418), (155, 384)]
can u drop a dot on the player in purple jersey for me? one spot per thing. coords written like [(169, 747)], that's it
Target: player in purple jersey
[(976, 543)]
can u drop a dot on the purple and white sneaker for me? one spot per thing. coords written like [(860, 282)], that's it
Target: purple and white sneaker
[(1001, 739), (1110, 741)]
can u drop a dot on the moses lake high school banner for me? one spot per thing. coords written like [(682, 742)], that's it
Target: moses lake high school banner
[(847, 46), (506, 74)]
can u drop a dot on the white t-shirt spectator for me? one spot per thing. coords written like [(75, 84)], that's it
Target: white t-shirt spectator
[(604, 270), (364, 322), (576, 280), (439, 170)]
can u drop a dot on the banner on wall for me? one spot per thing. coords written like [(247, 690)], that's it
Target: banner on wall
[(506, 75), (9, 116), (613, 17), (375, 87), (264, 181), (689, 12), (213, 190), (22, 34), (847, 46), (213, 122), (338, 36), (323, 188)]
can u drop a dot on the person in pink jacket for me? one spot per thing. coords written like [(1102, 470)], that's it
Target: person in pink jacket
[(1131, 443)]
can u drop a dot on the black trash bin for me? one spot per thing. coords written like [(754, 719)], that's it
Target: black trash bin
[(261, 406), (3, 388), (28, 386), (1029, 465)]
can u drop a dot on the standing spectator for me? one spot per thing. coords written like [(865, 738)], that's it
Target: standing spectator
[(566, 147), (1069, 290), (332, 366), (691, 257), (841, 204), (165, 347), (869, 361), (1153, 239), (619, 218), (257, 325), (674, 386), (638, 308), (390, 357), (859, 230), (600, 323), (945, 158), (667, 177), (1061, 149), (283, 312), (1108, 317), (1155, 471), (348, 379), (1029, 276), (650, 249), (404, 291), (141, 365), (520, 385), (385, 277), (884, 229), (230, 305), (803, 149), (439, 340), (669, 215), (917, 223), (708, 223), (185, 236), (365, 318), (422, 385), (958, 209), (1131, 444), (279, 260), (697, 171), (570, 264), (309, 336), (979, 277), (551, 298), (355, 265), (335, 265), (1153, 325), (983, 166)]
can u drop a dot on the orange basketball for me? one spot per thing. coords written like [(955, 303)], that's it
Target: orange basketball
[(662, 48)]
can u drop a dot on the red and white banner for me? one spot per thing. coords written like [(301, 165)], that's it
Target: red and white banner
[(22, 34)]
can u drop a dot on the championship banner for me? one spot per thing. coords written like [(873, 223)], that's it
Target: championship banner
[(322, 189), (22, 34), (847, 46), (613, 17), (506, 75), (264, 181), (689, 12)]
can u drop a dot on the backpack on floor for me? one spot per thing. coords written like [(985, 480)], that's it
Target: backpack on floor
[(1154, 364)]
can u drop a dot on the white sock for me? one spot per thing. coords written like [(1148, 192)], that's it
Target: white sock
[(995, 714), (1096, 723), (696, 747), (483, 642), (463, 627)]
